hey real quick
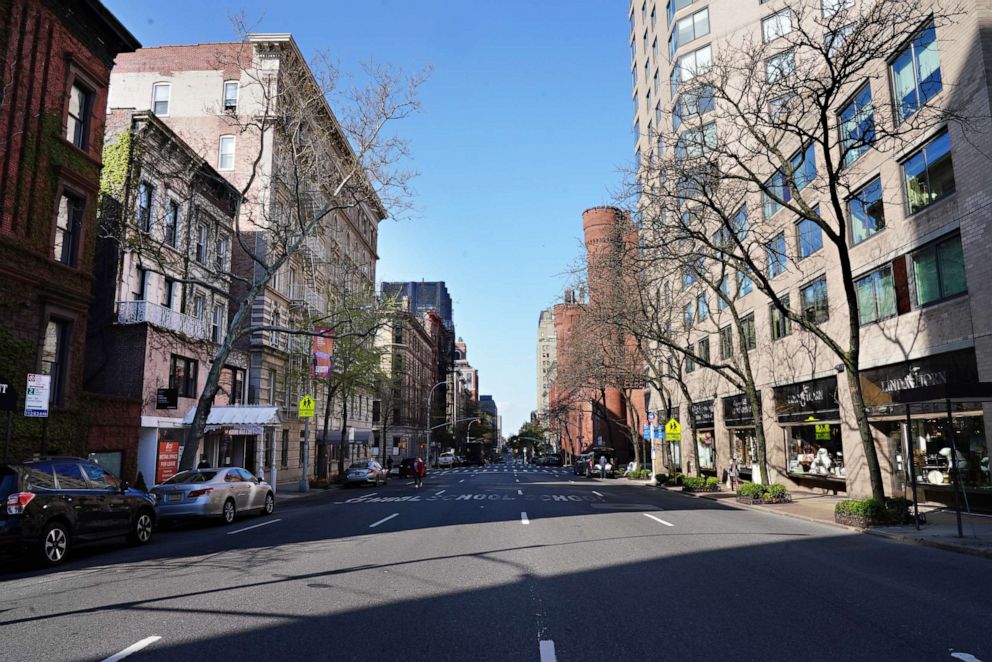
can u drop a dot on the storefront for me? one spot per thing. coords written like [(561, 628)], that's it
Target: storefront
[(702, 416), (738, 417), (809, 415), (936, 446)]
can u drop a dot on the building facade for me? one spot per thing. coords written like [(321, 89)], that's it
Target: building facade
[(545, 369), (918, 223), (56, 59)]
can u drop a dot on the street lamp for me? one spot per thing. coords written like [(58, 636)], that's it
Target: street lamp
[(429, 397)]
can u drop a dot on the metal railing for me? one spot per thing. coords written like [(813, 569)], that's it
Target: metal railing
[(137, 312), (306, 296)]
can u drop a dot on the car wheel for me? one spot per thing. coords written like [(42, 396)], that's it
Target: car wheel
[(141, 529), (270, 504), (54, 544), (229, 512)]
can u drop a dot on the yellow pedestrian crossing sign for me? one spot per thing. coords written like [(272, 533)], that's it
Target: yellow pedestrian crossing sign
[(307, 407), (673, 431)]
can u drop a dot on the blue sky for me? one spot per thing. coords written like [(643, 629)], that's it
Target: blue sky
[(526, 122)]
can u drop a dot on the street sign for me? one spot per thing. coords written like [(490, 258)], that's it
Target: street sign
[(307, 407), (37, 395), (647, 431), (652, 416), (673, 431), (8, 395)]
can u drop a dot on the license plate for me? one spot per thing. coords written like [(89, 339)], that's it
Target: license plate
[(174, 497)]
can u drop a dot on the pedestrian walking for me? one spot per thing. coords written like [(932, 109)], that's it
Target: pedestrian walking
[(602, 466), (734, 472), (418, 472)]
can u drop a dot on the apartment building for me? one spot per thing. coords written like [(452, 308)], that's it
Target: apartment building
[(212, 96), (545, 362), (917, 232), (56, 58)]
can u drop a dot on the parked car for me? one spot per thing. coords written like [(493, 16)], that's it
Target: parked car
[(218, 493), (53, 503), (365, 472), (581, 465), (552, 461), (446, 460)]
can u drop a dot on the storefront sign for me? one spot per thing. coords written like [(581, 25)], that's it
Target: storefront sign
[(702, 414), (8, 395), (673, 431), (323, 353), (37, 395), (167, 398), (737, 411), (168, 461), (814, 400), (882, 385)]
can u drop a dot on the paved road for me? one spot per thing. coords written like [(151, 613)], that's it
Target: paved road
[(505, 563)]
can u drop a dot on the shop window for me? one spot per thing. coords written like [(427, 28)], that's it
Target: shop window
[(876, 296), (916, 76), (68, 223), (745, 449), (932, 456), (815, 450), (182, 376), (747, 328), (780, 323), (939, 271), (706, 444), (866, 211), (857, 126), (55, 358), (726, 343), (77, 128), (814, 301), (929, 173)]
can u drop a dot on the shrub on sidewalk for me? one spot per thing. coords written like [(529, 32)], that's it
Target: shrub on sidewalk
[(757, 493), (871, 511), (700, 484), (661, 479)]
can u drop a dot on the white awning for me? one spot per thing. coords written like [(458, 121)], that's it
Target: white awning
[(248, 419)]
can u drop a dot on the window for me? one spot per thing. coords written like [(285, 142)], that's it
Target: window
[(832, 7), (687, 29), (217, 324), (145, 192), (690, 361), (77, 127), (169, 293), (54, 357), (687, 314), (809, 237), (929, 173), (939, 271), (182, 377), (776, 255), (778, 108), (101, 479), (226, 160), (814, 301), (284, 450), (696, 142), (160, 98), (780, 66), (172, 223), (199, 302), (231, 95), (140, 291), (67, 226), (723, 301), (688, 277), (223, 247), (867, 211), (916, 73), (836, 41), (693, 103), (691, 65), (857, 126), (702, 307), (777, 25), (70, 476), (276, 323), (202, 236), (726, 343), (781, 324), (744, 284), (876, 296), (703, 349), (271, 375), (676, 5), (803, 165), (747, 327)]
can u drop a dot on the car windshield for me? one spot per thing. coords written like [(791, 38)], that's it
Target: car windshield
[(191, 477)]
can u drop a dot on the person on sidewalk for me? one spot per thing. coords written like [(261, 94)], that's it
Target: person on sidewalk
[(418, 472), (602, 466), (734, 473)]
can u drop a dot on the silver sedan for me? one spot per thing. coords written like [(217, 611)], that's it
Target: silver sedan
[(221, 493)]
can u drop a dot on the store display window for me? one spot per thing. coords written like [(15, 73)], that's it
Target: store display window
[(745, 449), (932, 450), (815, 450), (706, 443)]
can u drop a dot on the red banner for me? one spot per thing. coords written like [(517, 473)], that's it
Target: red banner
[(323, 353), (168, 461)]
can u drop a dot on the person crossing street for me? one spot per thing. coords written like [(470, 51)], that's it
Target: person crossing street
[(418, 472)]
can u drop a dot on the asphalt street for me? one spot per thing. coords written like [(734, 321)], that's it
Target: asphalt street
[(505, 562)]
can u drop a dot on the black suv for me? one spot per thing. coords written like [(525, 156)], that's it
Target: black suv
[(49, 504)]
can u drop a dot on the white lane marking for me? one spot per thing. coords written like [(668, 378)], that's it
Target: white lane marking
[(523, 518), (965, 657), (439, 493), (254, 526), (384, 519), (462, 480), (133, 648), (658, 519), (520, 492), (516, 480), (548, 651), (597, 493), (411, 482), (571, 481)]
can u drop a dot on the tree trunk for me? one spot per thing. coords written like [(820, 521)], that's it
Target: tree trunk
[(864, 429), (344, 436), (322, 461), (759, 432)]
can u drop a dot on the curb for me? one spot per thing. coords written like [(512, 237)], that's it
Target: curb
[(895, 537)]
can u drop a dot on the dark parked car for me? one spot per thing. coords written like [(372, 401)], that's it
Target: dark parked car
[(552, 461), (52, 503)]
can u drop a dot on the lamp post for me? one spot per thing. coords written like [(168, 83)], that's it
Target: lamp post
[(429, 428)]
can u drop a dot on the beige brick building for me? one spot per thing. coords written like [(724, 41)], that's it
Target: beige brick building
[(918, 239)]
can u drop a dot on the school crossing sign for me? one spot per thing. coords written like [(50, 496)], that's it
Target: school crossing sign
[(307, 407), (673, 431)]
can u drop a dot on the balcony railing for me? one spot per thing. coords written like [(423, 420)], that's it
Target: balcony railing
[(315, 247), (136, 312), (303, 295)]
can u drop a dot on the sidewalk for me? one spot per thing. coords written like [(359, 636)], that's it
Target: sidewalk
[(940, 530)]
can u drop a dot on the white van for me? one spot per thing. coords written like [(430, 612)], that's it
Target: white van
[(446, 460)]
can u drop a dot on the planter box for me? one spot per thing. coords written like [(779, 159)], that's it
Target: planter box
[(859, 521), (751, 501), (715, 488)]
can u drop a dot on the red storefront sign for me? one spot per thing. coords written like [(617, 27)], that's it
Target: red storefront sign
[(168, 461)]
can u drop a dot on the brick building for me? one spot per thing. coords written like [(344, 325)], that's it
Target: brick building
[(56, 58)]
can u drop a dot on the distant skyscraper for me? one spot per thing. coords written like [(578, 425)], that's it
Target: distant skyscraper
[(546, 354), (423, 297)]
